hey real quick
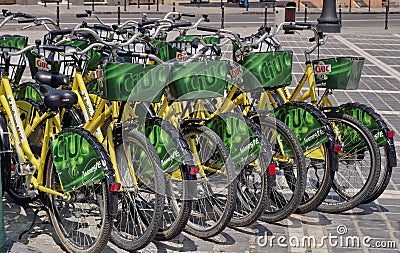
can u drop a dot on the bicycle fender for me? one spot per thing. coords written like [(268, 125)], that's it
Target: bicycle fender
[(310, 126), (375, 124)]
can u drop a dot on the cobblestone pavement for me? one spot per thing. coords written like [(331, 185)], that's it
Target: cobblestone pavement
[(376, 224)]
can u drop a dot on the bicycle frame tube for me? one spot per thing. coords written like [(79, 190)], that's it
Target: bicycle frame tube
[(310, 93), (20, 139), (11, 109), (325, 101), (85, 104)]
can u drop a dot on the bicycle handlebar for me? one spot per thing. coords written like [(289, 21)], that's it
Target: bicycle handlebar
[(60, 32), (140, 55), (179, 14), (103, 27), (82, 15), (192, 15), (100, 40), (182, 24), (29, 20), (9, 16), (147, 22), (16, 53), (207, 29)]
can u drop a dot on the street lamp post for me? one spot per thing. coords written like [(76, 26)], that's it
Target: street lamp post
[(328, 21)]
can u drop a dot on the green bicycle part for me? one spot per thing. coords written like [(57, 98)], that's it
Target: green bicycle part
[(76, 162)]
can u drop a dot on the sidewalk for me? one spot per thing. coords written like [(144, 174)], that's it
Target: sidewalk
[(212, 8)]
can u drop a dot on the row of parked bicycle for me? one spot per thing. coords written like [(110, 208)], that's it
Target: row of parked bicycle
[(140, 131)]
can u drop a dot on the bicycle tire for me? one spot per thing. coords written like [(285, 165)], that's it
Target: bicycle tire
[(93, 200), (5, 156), (294, 183), (133, 206), (222, 208), (388, 152), (177, 203), (251, 205), (28, 90), (320, 171), (338, 200)]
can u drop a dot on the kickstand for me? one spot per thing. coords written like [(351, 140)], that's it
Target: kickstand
[(35, 214)]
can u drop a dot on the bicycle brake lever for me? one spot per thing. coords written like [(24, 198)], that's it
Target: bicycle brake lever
[(28, 26)]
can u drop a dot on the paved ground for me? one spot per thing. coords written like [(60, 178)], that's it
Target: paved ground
[(375, 223)]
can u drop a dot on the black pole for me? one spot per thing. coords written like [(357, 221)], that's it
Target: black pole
[(138, 3), (162, 2), (124, 5), (157, 6), (328, 21), (340, 13), (173, 9), (305, 13), (369, 5), (68, 4), (148, 4), (119, 12), (265, 15), (386, 17), (45, 3), (349, 5), (92, 5), (58, 13), (222, 15), (298, 5)]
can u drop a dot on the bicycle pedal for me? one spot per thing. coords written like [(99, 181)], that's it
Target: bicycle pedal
[(32, 193)]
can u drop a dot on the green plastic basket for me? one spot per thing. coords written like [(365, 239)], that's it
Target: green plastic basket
[(198, 80), (15, 41), (50, 61), (271, 69), (121, 79), (342, 73), (94, 56), (17, 65)]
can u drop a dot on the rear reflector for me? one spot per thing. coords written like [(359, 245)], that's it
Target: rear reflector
[(390, 134), (272, 169), (194, 170), (337, 148), (115, 187)]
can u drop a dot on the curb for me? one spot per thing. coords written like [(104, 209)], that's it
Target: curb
[(243, 13)]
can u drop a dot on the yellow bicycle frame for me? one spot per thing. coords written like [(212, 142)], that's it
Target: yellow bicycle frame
[(20, 139)]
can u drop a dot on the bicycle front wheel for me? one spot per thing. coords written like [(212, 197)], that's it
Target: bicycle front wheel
[(141, 201), (291, 173), (359, 165), (83, 221), (215, 193)]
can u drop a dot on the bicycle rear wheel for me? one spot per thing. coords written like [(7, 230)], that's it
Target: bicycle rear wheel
[(83, 221), (14, 175), (359, 165)]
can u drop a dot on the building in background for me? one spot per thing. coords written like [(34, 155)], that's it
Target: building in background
[(303, 3)]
